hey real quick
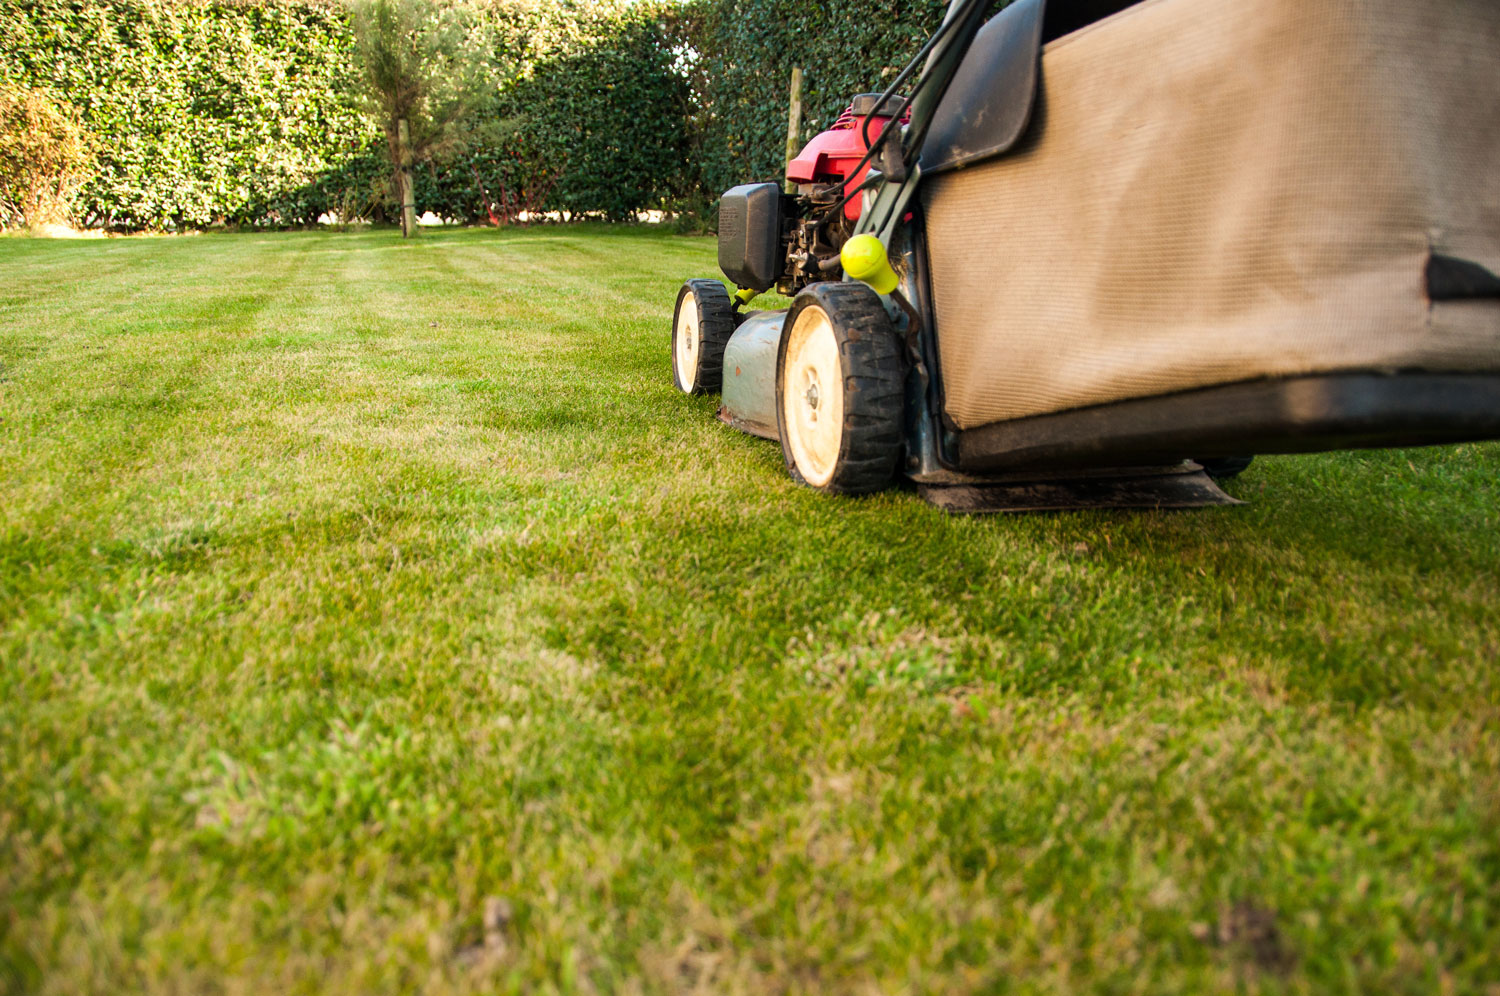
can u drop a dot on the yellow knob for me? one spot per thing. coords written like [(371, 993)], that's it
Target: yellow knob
[(864, 259)]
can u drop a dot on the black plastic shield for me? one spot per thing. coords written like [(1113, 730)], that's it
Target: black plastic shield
[(750, 235)]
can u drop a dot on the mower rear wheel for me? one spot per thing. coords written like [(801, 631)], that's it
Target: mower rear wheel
[(840, 390), (1224, 468), (701, 326)]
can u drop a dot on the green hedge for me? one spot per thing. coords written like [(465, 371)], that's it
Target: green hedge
[(599, 106), (204, 113), (244, 113)]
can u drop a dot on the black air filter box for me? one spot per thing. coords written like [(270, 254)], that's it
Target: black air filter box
[(750, 235)]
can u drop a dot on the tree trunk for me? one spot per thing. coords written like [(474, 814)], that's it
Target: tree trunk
[(408, 194)]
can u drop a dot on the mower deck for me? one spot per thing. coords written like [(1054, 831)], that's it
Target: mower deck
[(1179, 487), (748, 426)]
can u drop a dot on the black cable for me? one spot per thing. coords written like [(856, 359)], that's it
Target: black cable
[(873, 148), (902, 77), (962, 16), (911, 66), (870, 180)]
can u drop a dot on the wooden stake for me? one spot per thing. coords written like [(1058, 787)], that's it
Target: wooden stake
[(794, 123)]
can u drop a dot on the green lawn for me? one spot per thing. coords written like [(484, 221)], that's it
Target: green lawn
[(350, 589)]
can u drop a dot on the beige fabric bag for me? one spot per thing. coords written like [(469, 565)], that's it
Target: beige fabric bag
[(1223, 190)]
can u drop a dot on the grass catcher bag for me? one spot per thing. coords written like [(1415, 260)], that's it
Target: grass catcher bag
[(1216, 191)]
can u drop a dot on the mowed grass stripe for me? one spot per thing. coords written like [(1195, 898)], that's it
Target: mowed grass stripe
[(348, 586)]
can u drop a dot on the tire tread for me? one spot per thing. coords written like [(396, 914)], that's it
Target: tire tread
[(715, 326), (874, 388)]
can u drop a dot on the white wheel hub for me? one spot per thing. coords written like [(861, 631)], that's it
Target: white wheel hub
[(685, 343), (812, 396)]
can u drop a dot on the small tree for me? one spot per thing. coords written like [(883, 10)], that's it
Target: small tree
[(45, 156), (423, 65)]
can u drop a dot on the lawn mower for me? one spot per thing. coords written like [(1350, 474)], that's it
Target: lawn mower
[(1099, 253)]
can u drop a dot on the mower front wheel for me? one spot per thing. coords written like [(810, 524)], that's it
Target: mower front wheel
[(840, 390), (701, 326)]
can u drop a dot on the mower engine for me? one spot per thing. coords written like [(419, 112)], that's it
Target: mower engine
[(768, 238)]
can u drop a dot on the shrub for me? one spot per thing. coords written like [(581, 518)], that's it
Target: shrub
[(422, 69), (45, 155)]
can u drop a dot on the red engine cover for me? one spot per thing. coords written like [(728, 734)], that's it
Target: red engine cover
[(830, 156)]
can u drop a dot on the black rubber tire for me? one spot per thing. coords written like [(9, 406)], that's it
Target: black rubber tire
[(1223, 468), (715, 326), (873, 372)]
